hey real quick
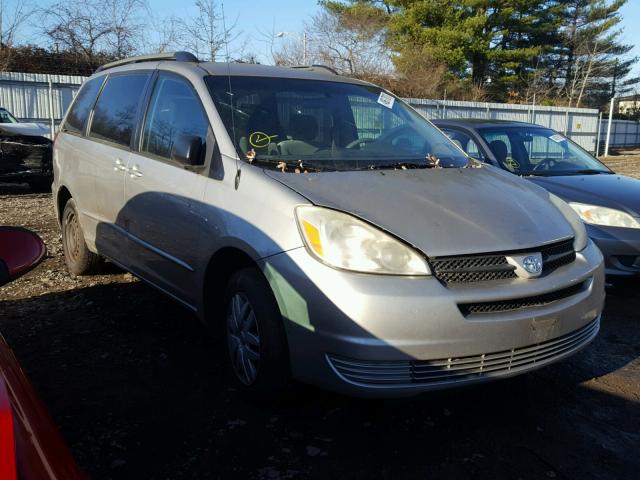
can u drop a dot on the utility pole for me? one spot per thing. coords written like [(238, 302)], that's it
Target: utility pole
[(606, 145)]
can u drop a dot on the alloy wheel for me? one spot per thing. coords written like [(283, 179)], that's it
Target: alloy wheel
[(243, 338)]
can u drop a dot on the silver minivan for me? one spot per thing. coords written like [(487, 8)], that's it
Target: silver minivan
[(328, 231)]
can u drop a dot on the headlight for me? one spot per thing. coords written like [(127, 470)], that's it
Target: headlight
[(604, 216), (343, 241), (580, 238)]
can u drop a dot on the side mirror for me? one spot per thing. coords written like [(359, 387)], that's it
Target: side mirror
[(20, 251), (187, 150)]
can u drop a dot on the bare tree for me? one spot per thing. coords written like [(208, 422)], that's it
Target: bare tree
[(351, 42), (11, 20), (126, 26), (206, 33), (94, 28), (166, 34)]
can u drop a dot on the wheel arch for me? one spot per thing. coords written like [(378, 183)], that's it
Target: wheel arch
[(222, 265), (63, 195)]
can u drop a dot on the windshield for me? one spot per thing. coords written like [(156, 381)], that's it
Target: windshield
[(539, 151), (310, 125), (6, 117)]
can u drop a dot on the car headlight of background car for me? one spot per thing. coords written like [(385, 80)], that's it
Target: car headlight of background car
[(580, 239), (343, 241), (609, 217)]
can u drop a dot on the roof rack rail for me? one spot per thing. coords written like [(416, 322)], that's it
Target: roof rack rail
[(176, 56), (317, 65)]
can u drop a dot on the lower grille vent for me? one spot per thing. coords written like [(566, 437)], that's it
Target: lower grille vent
[(519, 303)]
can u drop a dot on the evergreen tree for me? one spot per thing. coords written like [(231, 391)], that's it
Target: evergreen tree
[(478, 39)]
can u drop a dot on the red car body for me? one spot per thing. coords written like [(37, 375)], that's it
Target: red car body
[(31, 447)]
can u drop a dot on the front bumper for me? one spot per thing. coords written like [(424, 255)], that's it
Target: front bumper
[(620, 248), (337, 322)]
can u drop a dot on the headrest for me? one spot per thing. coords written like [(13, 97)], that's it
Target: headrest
[(303, 127), (499, 149)]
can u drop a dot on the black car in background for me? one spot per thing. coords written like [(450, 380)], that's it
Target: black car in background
[(608, 203), (25, 152)]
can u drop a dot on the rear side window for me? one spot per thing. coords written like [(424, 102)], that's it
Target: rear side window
[(77, 118), (116, 111), (174, 110)]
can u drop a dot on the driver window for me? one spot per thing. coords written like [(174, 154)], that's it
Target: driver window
[(174, 110)]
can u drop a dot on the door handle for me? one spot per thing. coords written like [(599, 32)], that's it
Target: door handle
[(135, 172), (119, 166)]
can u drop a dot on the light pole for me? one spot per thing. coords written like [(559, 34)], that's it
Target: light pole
[(304, 42), (606, 145)]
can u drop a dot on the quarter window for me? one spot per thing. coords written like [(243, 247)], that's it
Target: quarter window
[(174, 110), (117, 108), (79, 112)]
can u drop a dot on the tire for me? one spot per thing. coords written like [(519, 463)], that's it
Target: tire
[(254, 338), (79, 259)]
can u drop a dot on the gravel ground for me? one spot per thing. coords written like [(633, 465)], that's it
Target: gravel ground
[(624, 163), (137, 389)]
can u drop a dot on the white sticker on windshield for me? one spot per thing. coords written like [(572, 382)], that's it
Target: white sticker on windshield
[(386, 100), (557, 138)]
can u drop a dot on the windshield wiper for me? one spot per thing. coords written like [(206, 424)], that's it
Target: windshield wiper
[(399, 166), (588, 171), (561, 173), (291, 165)]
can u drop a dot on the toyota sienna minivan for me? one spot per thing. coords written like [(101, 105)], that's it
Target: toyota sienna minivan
[(329, 232)]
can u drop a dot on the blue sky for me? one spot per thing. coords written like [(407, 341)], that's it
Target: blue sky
[(631, 25), (290, 15), (255, 16)]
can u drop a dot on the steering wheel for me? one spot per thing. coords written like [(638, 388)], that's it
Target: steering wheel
[(547, 163), (359, 142)]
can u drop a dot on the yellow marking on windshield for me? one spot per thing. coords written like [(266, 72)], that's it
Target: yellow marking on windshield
[(260, 139)]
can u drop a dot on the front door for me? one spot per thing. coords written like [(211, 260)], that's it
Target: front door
[(164, 213)]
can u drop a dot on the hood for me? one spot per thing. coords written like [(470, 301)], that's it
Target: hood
[(613, 191), (446, 211), (27, 129)]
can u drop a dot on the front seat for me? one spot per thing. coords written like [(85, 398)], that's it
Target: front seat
[(303, 130), (500, 151)]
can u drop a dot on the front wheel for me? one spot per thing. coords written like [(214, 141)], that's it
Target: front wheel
[(255, 339)]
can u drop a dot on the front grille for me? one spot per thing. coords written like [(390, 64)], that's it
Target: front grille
[(445, 371), (494, 266), (519, 303)]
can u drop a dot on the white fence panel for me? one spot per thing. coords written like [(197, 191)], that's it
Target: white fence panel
[(26, 95), (624, 133), (579, 124)]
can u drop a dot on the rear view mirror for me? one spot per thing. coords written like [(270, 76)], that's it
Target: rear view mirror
[(187, 149), (20, 251)]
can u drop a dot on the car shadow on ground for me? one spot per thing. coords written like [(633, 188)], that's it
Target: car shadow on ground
[(139, 390)]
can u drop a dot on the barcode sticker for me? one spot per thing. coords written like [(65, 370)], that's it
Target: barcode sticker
[(386, 100)]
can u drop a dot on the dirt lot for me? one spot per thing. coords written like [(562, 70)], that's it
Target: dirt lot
[(136, 386), (624, 162)]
